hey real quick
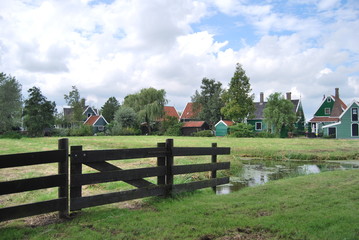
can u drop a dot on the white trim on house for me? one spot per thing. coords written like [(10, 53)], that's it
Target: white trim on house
[(222, 122), (261, 128)]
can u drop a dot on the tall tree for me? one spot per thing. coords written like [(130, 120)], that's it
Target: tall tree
[(209, 101), (39, 113), (77, 103), (109, 108), (238, 102), (279, 113), (10, 103), (148, 104)]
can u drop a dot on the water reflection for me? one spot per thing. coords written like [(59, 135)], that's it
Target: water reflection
[(256, 172)]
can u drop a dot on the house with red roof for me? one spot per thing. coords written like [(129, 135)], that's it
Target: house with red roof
[(190, 113), (98, 123), (169, 112), (329, 112), (191, 127)]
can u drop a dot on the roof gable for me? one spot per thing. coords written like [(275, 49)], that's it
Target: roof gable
[(95, 120), (189, 112), (225, 122)]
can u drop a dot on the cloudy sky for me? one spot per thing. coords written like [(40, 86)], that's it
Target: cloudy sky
[(117, 47)]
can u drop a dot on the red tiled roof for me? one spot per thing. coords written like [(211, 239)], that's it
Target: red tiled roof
[(193, 124), (188, 112), (324, 119), (91, 120), (228, 122), (342, 104), (171, 112)]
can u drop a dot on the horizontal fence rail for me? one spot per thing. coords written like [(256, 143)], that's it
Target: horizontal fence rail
[(70, 177), (60, 180)]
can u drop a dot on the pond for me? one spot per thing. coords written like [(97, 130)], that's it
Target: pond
[(257, 172)]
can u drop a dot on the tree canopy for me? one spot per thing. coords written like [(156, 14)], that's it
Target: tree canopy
[(279, 113), (39, 113), (109, 108), (148, 103), (238, 102), (77, 103), (209, 101), (10, 103)]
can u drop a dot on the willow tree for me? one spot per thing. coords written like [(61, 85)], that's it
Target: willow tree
[(238, 100), (279, 114), (148, 104)]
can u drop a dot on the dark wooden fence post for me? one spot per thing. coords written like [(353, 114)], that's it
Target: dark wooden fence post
[(169, 165), (161, 161), (76, 168), (63, 144), (214, 160)]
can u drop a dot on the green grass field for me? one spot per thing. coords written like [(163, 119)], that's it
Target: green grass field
[(321, 206)]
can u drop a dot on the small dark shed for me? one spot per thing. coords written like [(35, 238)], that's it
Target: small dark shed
[(191, 127)]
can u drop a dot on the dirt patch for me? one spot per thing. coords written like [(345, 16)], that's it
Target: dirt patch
[(43, 220), (241, 234)]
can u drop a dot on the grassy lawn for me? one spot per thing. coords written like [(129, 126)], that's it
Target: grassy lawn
[(277, 148), (321, 206)]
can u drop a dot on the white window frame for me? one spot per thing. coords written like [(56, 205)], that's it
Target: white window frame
[(327, 111), (329, 99), (356, 109), (101, 128), (260, 127)]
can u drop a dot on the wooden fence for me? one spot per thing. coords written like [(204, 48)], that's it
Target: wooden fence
[(60, 180), (72, 199)]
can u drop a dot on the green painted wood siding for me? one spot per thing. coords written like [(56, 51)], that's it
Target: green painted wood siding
[(221, 129), (326, 104), (344, 130)]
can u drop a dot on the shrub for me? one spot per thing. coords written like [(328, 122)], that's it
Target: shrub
[(174, 130), (265, 134), (241, 130), (11, 135), (204, 133), (60, 132), (83, 130)]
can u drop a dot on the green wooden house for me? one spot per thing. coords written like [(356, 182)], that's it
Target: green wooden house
[(222, 127), (328, 113), (258, 120), (347, 126)]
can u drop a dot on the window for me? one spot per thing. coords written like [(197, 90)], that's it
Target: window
[(327, 111), (355, 132), (89, 115), (354, 114), (329, 99), (258, 126), (101, 128)]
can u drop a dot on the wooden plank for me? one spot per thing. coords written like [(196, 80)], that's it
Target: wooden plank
[(186, 187), (161, 161), (199, 151), (32, 209), (169, 166), (91, 201), (30, 184), (119, 175), (214, 160), (33, 158), (63, 169), (183, 169), (105, 167), (119, 154), (75, 168)]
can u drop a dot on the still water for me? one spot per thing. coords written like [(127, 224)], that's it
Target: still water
[(257, 172)]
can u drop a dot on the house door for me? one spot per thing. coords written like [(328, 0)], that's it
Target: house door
[(332, 132), (355, 132)]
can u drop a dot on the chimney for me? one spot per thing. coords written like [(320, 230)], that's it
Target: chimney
[(289, 96), (261, 97), (336, 93)]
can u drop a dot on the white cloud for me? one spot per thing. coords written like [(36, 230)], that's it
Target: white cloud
[(118, 48)]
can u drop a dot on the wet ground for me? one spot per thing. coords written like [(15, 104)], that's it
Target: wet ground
[(256, 172)]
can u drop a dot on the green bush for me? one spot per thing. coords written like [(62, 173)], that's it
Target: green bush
[(11, 135), (265, 134), (174, 130), (241, 130), (129, 131), (60, 132), (204, 133), (83, 130)]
